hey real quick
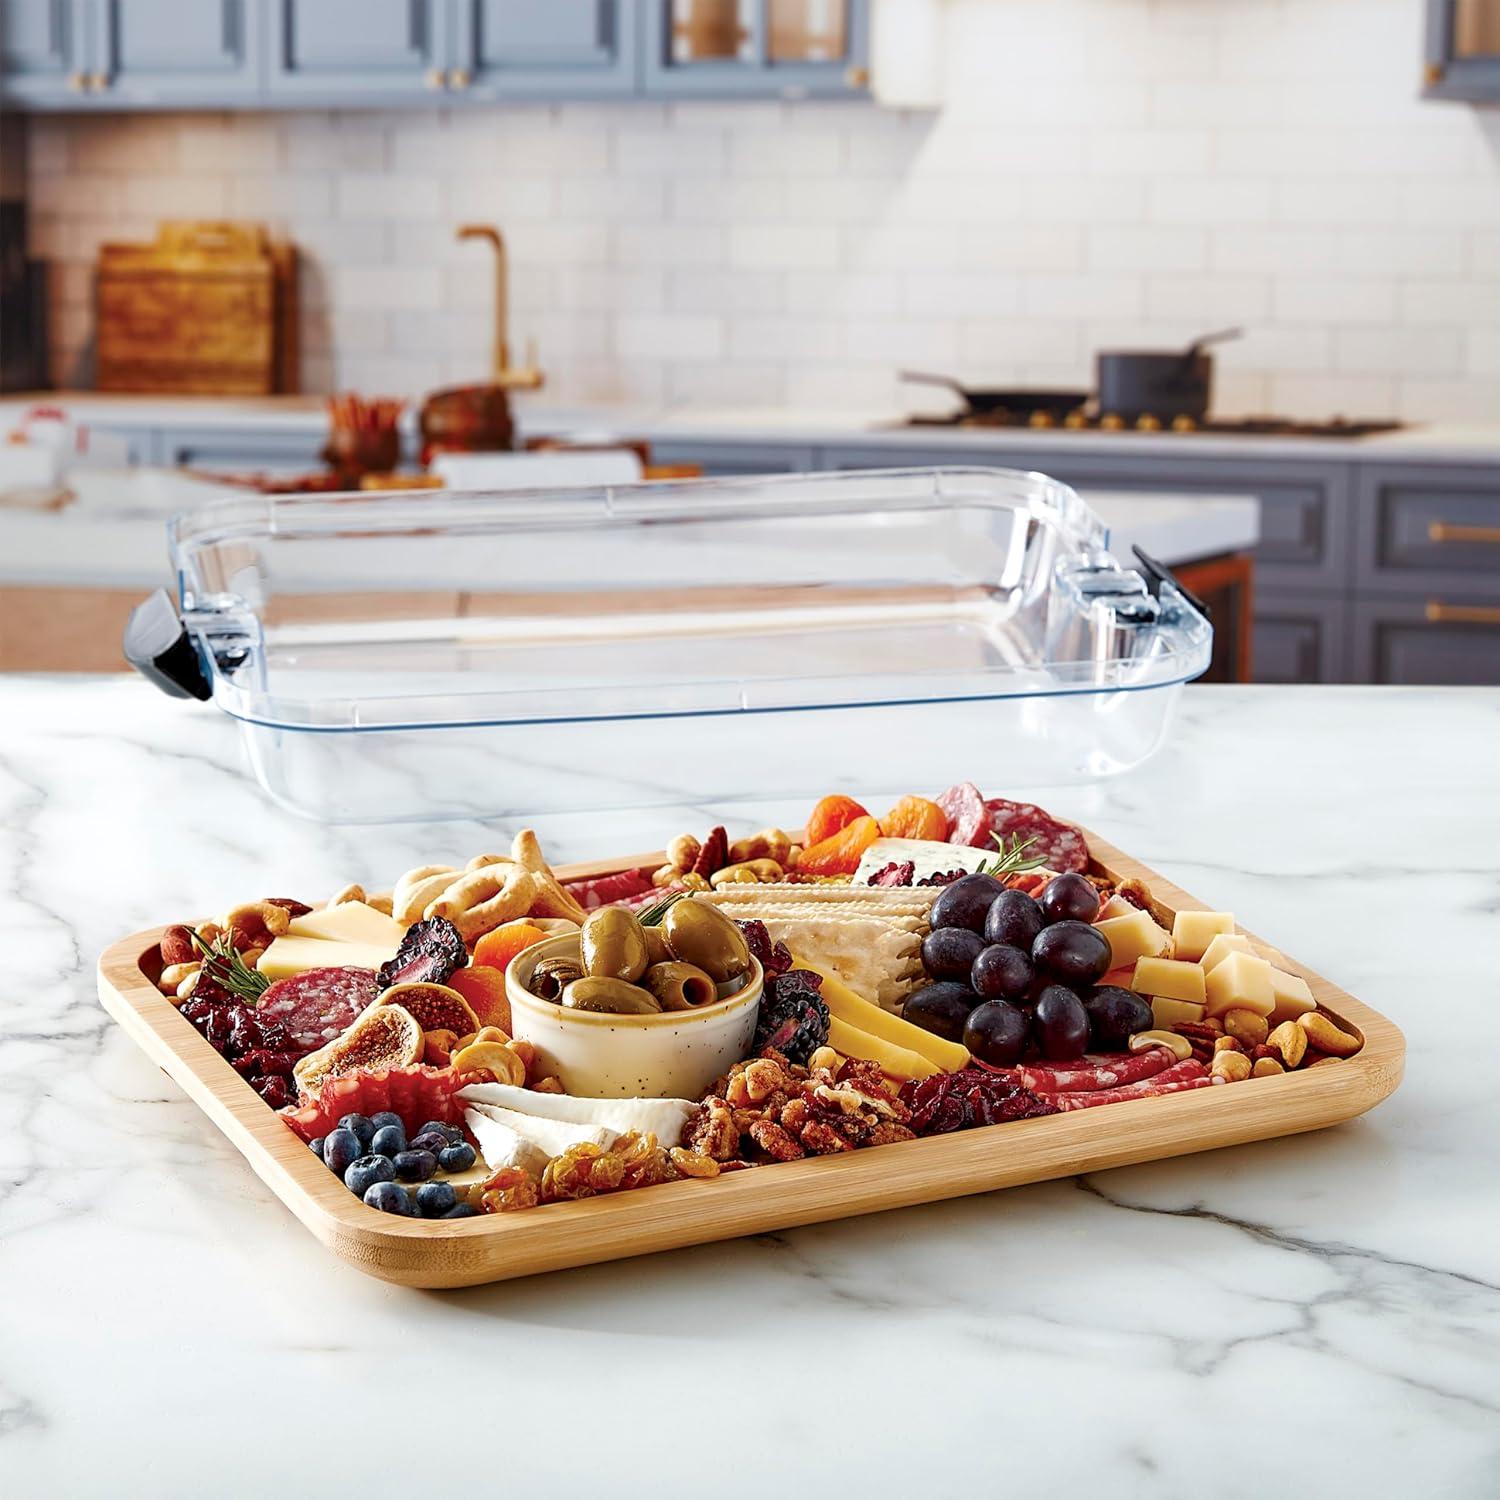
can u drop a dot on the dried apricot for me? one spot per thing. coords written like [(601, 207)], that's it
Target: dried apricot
[(484, 988), (496, 949), (840, 854), (831, 816), (915, 818)]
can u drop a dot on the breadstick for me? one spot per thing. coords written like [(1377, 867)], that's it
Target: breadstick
[(484, 899), (417, 888)]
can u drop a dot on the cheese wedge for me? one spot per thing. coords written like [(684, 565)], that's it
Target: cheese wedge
[(1117, 906), (927, 856), (1170, 978), (1169, 1013), (1292, 995), (663, 1118), (1132, 937), (896, 1061), (1240, 981), (1221, 947), (349, 922), (295, 955), (866, 1016), (546, 1138), (1193, 931)]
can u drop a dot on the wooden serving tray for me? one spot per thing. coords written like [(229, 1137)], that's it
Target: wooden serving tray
[(467, 1252)]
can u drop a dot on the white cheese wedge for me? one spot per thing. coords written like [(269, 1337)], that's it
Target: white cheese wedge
[(928, 855), (550, 1137), (1292, 994), (500, 1146), (1169, 1013), (663, 1118), (1193, 931), (1221, 947), (1132, 937), (295, 955), (1169, 978), (349, 922), (1240, 982)]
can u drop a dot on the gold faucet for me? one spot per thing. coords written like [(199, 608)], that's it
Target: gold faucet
[(525, 377)]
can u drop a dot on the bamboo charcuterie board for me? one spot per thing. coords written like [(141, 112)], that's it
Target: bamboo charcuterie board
[(468, 1252)]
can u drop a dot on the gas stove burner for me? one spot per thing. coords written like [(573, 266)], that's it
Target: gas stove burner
[(1082, 420)]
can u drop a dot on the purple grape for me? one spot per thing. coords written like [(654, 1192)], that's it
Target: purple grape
[(1115, 1015), (941, 1008), (1069, 898), (996, 1033), (1002, 973), (966, 902), (1072, 952), (949, 952), (1013, 918), (1062, 1024)]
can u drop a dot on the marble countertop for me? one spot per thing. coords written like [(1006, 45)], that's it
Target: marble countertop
[(1312, 1316), (774, 426)]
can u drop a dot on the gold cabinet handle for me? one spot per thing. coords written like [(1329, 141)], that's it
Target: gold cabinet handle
[(857, 78), (1449, 531), (78, 83), (98, 82), (459, 78), (1433, 74), (1461, 614), (435, 78)]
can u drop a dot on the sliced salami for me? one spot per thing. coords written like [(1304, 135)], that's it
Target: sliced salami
[(1060, 844), (968, 817), (315, 1006), (1189, 1074), (1099, 1071), (605, 890)]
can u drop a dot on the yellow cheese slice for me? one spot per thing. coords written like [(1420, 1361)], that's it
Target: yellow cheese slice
[(1193, 931), (295, 955), (1132, 937), (1221, 947), (1170, 978), (1292, 995), (1240, 982), (869, 1017), (898, 1062), (349, 922), (1169, 1013)]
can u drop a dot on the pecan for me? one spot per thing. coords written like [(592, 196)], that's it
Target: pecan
[(713, 1131), (888, 1132), (794, 1114), (822, 1140), (774, 1141), (763, 1078)]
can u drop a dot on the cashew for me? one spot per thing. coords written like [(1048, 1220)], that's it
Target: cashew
[(189, 984), (351, 892), (665, 876), (1326, 1037), (256, 922), (1266, 1067), (1178, 1046), (683, 852), (747, 872), (1231, 1067), (769, 843), (491, 1057), (1227, 1044), (1290, 1040), (173, 975)]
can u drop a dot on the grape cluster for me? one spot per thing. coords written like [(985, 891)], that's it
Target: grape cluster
[(376, 1161), (1011, 972)]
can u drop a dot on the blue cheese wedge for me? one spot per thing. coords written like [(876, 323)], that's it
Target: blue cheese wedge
[(663, 1118), (928, 856)]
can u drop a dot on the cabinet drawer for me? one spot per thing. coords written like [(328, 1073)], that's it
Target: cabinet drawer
[(1430, 530), (734, 458), (1300, 638), (1427, 643), (233, 449)]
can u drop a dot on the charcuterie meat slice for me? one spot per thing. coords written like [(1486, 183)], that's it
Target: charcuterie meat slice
[(1060, 844), (1100, 1071), (605, 890), (968, 817), (319, 1004), (1189, 1074)]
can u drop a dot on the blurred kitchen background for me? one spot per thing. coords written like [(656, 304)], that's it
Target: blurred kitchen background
[(662, 238)]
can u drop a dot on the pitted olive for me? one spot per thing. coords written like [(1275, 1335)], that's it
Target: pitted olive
[(613, 996), (613, 945), (680, 986), (552, 976), (698, 933), (657, 951)]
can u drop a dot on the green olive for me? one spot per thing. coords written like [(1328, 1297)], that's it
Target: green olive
[(596, 992), (680, 986), (700, 934), (613, 945), (657, 951), (552, 976)]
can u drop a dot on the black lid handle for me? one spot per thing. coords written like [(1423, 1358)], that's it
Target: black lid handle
[(158, 646), (1159, 573)]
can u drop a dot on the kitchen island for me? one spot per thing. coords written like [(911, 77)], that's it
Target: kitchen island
[(1316, 1316)]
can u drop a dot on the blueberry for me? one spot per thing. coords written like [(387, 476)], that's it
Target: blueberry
[(434, 1199), (340, 1148), (388, 1197), (390, 1140), (366, 1172), (386, 1117), (451, 1131), (461, 1211), (415, 1166), (315, 1145), (430, 1140), (457, 1158), (363, 1128)]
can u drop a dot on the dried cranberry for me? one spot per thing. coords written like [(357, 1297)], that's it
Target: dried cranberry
[(275, 1090), (894, 874), (775, 958), (944, 877)]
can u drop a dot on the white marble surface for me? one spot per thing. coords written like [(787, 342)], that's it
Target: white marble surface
[(1318, 1316)]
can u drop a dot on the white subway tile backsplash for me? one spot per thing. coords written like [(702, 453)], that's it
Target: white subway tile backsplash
[(1418, 352), (388, 288), (668, 336), (782, 247), (383, 195), (1144, 247), (1334, 299), (642, 246)]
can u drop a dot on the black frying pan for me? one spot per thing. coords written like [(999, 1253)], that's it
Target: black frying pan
[(984, 401)]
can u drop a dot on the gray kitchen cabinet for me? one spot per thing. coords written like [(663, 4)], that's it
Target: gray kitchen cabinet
[(1300, 638), (788, 49), (161, 52), (1427, 643), (1462, 51), (44, 53), (356, 52), (233, 449), (539, 49), (736, 458), (1428, 530)]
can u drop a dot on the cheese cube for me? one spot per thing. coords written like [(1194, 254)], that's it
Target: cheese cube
[(1132, 937), (1240, 981), (1193, 931), (1170, 978), (295, 955), (1117, 906), (1222, 946), (1292, 995), (1169, 1013), (349, 922)]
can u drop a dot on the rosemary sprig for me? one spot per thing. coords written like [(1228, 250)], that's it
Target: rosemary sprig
[(1013, 858), (224, 965), (653, 914)]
